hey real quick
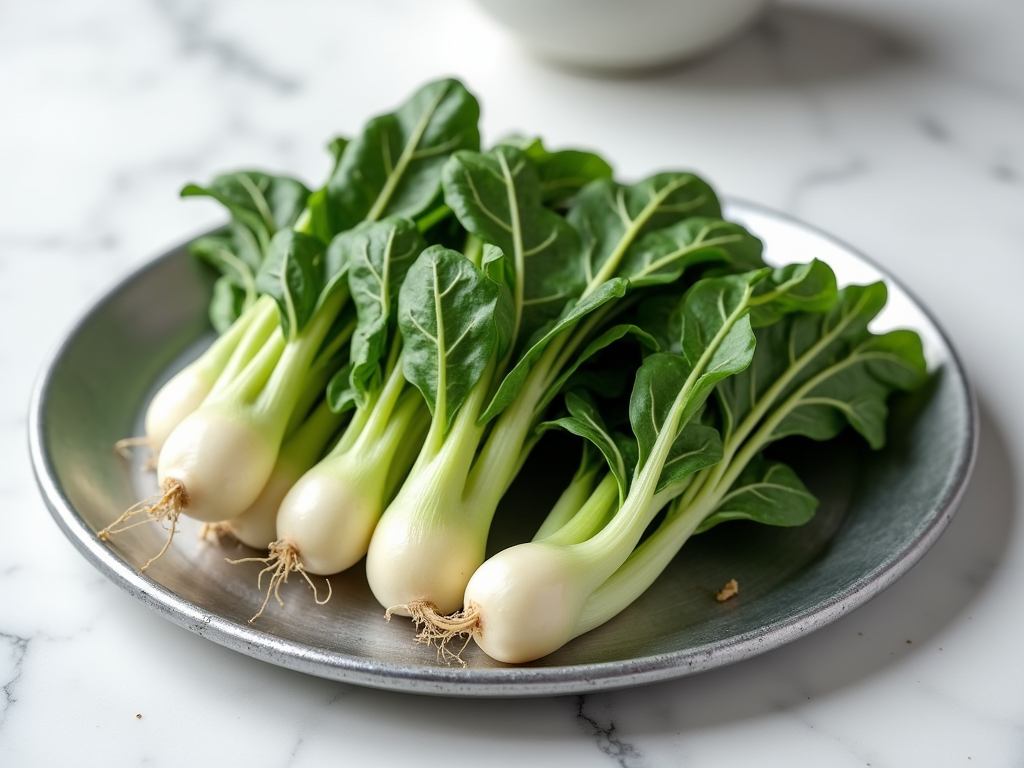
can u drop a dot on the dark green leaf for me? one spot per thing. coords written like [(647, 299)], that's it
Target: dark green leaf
[(659, 382), (227, 304), (816, 372), (766, 492), (563, 172), (585, 420), (514, 380), (496, 196), (394, 166), (610, 217), (663, 255), (602, 341), (264, 204), (377, 256), (341, 395), (292, 274), (807, 287), (446, 315)]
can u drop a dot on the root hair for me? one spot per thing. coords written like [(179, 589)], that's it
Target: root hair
[(440, 630), (283, 560), (163, 508)]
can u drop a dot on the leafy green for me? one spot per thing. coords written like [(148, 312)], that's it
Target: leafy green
[(446, 315), (766, 492), (496, 196), (610, 217), (293, 275), (562, 173), (378, 256), (393, 166), (661, 256), (585, 420), (262, 203)]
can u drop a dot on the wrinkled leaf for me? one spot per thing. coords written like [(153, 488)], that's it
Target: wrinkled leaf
[(766, 492), (610, 217), (659, 381), (292, 274), (563, 172), (496, 196), (662, 256), (514, 380), (378, 256), (394, 166), (807, 287), (263, 203), (446, 315)]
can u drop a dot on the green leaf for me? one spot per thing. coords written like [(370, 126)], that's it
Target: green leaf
[(497, 267), (807, 287), (610, 217), (446, 315), (585, 420), (394, 166), (602, 341), (662, 256), (514, 379), (496, 196), (226, 305), (661, 316), (341, 395), (292, 274), (263, 203), (821, 371), (563, 172), (336, 147), (659, 382), (377, 256), (717, 340), (766, 492)]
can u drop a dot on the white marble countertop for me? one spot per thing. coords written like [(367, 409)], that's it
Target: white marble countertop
[(898, 126)]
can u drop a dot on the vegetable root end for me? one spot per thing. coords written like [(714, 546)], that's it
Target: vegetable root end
[(163, 508), (124, 447), (281, 561), (438, 630)]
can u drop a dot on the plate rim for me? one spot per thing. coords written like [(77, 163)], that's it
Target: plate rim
[(503, 682)]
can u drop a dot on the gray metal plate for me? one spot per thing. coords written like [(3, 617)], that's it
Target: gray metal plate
[(880, 512)]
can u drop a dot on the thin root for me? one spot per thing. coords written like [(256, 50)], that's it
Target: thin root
[(439, 630), (216, 532), (163, 508), (281, 562), (124, 450)]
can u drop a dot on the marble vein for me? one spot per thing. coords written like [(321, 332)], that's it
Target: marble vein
[(18, 648), (624, 753), (191, 24)]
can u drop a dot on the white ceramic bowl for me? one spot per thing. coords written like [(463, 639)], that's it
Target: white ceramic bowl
[(622, 34)]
